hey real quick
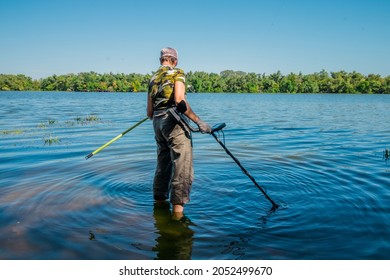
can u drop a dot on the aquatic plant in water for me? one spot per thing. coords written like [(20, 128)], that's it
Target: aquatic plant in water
[(87, 120), (51, 140), (11, 132)]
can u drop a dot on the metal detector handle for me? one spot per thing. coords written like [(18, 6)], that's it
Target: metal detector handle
[(215, 128), (172, 111), (179, 118), (178, 114), (185, 121), (218, 127)]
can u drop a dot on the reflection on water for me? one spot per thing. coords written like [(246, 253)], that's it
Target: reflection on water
[(238, 245), (175, 237)]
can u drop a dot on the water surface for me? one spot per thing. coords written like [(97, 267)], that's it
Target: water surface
[(320, 157)]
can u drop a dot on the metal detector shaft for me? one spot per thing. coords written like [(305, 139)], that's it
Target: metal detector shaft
[(274, 205), (115, 138)]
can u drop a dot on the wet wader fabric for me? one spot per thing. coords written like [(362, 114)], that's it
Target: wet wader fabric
[(174, 172)]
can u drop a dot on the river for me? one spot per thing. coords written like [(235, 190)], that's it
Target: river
[(323, 158)]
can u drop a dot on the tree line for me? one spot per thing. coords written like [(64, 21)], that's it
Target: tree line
[(226, 81)]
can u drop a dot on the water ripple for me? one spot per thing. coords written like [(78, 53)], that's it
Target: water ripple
[(320, 157)]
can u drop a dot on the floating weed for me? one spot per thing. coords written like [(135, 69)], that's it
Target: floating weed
[(51, 140), (69, 123), (51, 122), (42, 125), (76, 121), (88, 119), (11, 132), (92, 118)]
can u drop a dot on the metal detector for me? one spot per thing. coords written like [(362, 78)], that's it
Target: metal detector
[(177, 113)]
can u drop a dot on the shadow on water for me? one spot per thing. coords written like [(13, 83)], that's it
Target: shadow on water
[(175, 237), (239, 246), (386, 155)]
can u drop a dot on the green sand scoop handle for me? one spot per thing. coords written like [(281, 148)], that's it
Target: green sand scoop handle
[(115, 138)]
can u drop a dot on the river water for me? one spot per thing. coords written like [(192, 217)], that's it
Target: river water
[(323, 158)]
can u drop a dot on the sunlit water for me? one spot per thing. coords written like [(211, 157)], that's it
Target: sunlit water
[(322, 158)]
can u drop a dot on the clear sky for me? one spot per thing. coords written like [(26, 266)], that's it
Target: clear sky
[(45, 37)]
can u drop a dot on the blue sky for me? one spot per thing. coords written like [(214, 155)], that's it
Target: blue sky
[(41, 38)]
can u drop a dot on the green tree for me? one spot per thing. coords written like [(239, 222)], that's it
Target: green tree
[(200, 81)]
